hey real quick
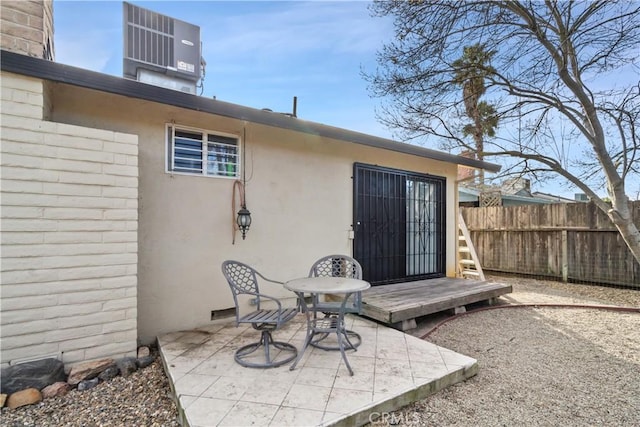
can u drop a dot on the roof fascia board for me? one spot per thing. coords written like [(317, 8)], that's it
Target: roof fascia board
[(53, 71)]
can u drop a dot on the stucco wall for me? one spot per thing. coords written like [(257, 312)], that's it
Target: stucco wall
[(69, 234), (299, 192)]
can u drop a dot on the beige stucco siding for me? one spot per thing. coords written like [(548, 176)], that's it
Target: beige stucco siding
[(299, 191), (69, 233)]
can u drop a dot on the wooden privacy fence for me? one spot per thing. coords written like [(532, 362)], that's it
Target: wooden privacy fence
[(573, 241)]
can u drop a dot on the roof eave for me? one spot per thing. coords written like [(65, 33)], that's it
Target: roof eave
[(61, 73)]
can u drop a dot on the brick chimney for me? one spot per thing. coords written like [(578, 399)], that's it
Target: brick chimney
[(464, 172), (26, 27)]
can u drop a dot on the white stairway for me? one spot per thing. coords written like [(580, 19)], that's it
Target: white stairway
[(468, 262)]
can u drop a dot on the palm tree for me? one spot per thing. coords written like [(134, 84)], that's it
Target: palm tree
[(470, 72)]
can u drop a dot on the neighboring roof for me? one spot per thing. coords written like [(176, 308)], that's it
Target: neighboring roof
[(554, 198), (473, 194), (53, 71)]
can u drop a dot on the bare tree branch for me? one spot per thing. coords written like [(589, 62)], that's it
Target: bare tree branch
[(558, 112)]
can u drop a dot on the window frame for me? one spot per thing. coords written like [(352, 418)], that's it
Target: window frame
[(170, 164)]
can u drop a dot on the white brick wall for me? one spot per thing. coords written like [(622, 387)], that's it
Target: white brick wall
[(69, 234)]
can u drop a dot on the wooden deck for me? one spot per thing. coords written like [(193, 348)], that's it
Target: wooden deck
[(398, 304)]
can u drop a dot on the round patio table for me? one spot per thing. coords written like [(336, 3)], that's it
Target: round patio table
[(319, 286)]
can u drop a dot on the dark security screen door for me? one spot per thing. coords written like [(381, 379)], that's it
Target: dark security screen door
[(399, 223)]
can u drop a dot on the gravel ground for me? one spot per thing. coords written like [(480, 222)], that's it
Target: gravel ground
[(141, 399), (538, 366)]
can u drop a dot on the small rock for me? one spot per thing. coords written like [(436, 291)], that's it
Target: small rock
[(88, 370), (35, 374), (28, 396), (57, 389), (3, 398), (110, 373), (143, 352), (88, 384), (143, 362), (127, 366)]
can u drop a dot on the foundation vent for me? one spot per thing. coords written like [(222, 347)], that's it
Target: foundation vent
[(223, 314)]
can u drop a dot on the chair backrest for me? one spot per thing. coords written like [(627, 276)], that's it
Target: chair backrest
[(242, 280), (336, 266)]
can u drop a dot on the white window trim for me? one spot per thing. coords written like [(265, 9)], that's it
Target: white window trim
[(170, 151)]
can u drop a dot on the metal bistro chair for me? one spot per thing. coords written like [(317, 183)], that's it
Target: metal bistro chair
[(337, 266), (243, 281)]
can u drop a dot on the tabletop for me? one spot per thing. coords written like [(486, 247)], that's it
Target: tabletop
[(326, 285)]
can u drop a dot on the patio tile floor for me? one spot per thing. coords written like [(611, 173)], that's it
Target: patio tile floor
[(391, 369)]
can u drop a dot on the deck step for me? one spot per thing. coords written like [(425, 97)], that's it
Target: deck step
[(470, 273), (464, 249), (467, 262), (399, 301)]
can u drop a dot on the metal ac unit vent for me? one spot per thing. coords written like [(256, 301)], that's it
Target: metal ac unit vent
[(158, 44), (150, 37)]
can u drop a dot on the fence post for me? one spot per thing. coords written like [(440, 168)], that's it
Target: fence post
[(565, 256)]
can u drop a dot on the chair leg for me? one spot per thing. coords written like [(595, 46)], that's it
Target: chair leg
[(243, 354), (347, 333), (266, 338), (352, 338)]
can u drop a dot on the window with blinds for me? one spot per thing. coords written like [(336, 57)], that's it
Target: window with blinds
[(197, 152)]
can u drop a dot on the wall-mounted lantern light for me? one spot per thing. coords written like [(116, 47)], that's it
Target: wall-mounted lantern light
[(244, 220)]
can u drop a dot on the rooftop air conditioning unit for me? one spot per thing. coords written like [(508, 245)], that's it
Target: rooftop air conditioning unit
[(160, 50)]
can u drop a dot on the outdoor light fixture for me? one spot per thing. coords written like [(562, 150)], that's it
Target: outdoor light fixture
[(244, 220)]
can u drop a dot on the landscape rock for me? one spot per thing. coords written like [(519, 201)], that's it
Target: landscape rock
[(143, 362), (88, 384), (127, 366), (88, 370), (57, 389), (28, 396), (110, 373), (3, 399), (36, 374), (143, 351)]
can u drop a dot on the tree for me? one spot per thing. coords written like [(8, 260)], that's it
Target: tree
[(469, 72), (560, 79)]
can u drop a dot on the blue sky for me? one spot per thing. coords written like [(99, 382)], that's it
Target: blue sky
[(259, 54)]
